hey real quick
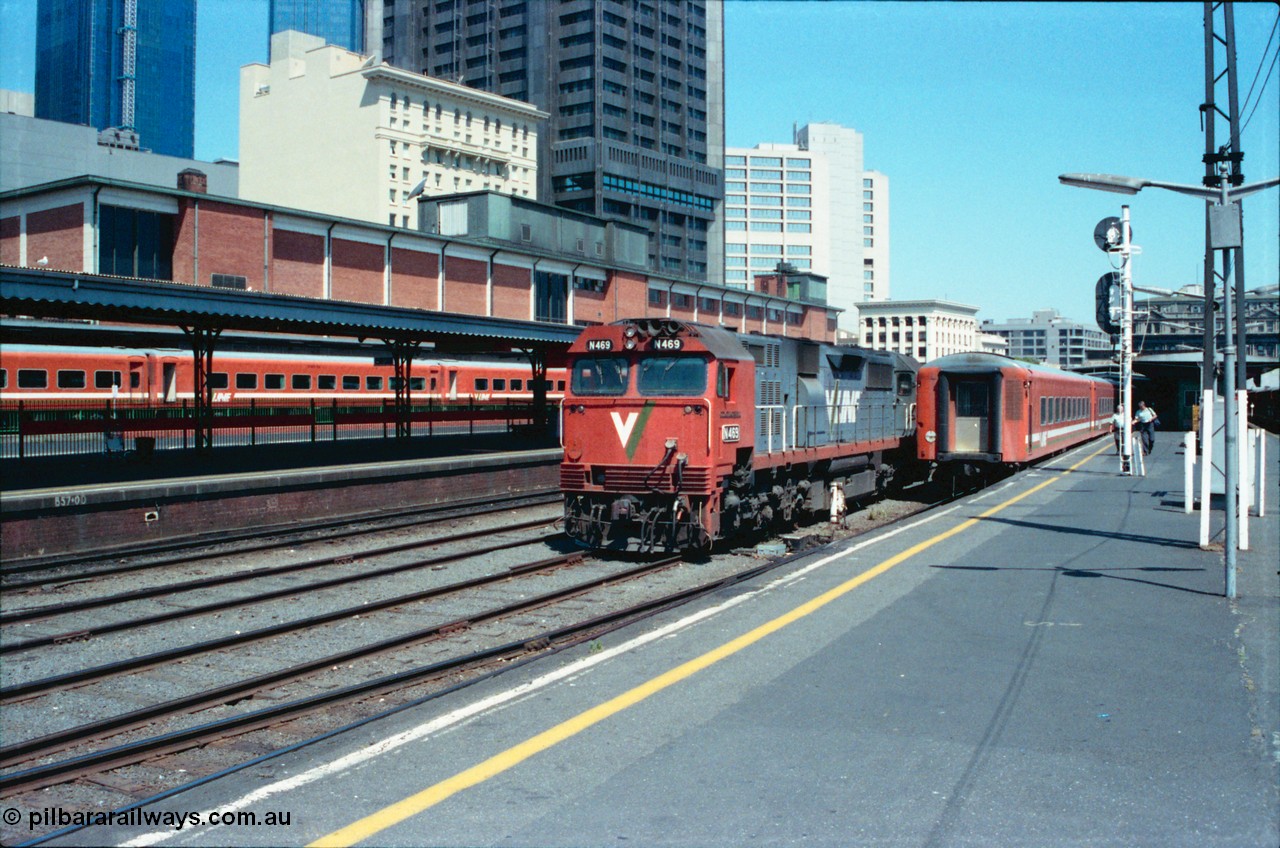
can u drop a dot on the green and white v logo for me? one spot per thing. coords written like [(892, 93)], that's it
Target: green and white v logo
[(628, 433)]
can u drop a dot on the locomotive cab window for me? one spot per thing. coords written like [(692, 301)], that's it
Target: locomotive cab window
[(600, 375), (71, 379), (672, 375), (723, 378), (906, 384)]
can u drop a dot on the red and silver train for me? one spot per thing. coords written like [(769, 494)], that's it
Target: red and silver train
[(154, 376), (677, 435), (979, 410)]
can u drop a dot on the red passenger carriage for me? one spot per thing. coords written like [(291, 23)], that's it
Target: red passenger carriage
[(979, 410)]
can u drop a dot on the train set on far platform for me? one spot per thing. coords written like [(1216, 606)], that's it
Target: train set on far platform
[(677, 435)]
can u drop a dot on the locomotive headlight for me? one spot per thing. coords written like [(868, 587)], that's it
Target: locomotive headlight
[(630, 343), (930, 436), (688, 410), (630, 332)]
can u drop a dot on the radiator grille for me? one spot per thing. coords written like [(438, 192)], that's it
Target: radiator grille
[(634, 479)]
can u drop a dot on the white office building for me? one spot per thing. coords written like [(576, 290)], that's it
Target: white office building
[(1048, 338), (811, 204), (327, 130), (924, 329)]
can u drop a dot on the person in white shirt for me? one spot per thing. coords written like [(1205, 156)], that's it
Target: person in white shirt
[(1145, 419)]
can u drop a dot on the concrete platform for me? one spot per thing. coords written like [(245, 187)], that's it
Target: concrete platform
[(51, 507), (1050, 663)]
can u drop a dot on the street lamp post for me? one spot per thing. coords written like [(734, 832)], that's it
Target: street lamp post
[(1224, 233)]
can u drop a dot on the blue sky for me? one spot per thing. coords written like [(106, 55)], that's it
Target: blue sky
[(971, 109)]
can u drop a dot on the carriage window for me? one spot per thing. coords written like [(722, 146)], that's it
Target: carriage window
[(518, 385), (603, 375), (672, 375), (417, 384), (33, 378), (350, 383), (327, 382), (499, 384), (373, 384), (135, 380), (433, 384), (4, 378), (559, 385), (300, 381), (246, 380), (481, 384), (105, 379), (1044, 410), (71, 379), (217, 380), (273, 381)]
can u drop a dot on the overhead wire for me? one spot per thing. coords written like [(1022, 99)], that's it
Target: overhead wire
[(1271, 39)]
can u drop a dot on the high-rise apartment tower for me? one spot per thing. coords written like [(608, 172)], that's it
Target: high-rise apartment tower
[(635, 94), (810, 204), (129, 64)]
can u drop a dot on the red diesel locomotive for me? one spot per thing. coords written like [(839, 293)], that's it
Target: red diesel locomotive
[(978, 411), (677, 434)]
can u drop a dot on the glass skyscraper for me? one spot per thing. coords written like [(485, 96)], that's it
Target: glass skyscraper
[(120, 63), (338, 22)]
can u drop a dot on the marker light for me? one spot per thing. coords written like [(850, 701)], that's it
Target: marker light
[(930, 436)]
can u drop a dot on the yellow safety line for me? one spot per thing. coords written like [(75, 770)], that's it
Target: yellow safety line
[(395, 813)]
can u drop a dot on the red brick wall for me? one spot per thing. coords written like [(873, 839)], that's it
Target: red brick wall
[(464, 285), (230, 242), (511, 288), (297, 263), (10, 241), (357, 271), (58, 234), (414, 278), (592, 306), (629, 295)]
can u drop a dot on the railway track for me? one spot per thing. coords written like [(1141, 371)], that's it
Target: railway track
[(185, 551), (130, 754)]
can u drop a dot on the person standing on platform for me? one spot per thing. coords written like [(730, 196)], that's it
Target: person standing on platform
[(1146, 419), (1117, 426)]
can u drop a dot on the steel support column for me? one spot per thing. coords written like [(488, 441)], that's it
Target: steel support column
[(402, 354), (202, 344)]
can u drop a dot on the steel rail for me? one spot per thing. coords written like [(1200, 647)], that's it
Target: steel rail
[(294, 534), (96, 762), (52, 610), (43, 686)]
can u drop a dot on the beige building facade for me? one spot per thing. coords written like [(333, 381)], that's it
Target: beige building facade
[(924, 329), (331, 131)]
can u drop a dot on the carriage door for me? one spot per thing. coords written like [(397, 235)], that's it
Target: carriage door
[(453, 384), (972, 411), (135, 381), (169, 381)]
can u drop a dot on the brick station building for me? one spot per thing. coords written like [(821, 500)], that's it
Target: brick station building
[(482, 253)]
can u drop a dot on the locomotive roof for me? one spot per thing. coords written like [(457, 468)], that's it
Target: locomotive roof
[(980, 362), (719, 342)]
